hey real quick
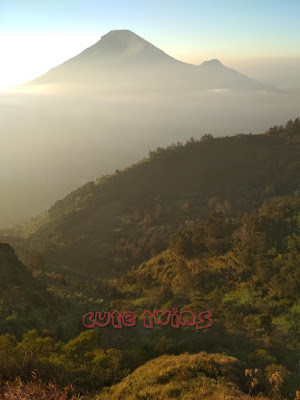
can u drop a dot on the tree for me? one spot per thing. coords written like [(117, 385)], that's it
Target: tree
[(207, 137)]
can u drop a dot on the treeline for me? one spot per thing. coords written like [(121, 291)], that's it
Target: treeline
[(290, 129)]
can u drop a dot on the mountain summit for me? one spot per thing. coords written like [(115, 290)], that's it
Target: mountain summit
[(124, 44)]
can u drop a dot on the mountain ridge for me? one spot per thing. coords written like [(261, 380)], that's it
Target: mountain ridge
[(123, 55)]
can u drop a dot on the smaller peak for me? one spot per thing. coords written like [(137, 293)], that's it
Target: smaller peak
[(212, 63)]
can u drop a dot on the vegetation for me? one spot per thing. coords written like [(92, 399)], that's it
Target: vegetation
[(36, 390), (291, 129), (210, 225)]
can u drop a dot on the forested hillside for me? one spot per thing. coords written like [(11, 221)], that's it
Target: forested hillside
[(123, 219)]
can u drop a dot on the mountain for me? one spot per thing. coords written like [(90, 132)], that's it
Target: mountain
[(110, 224), (121, 55), (118, 54), (217, 76)]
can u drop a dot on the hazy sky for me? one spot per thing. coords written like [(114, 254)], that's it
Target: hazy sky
[(36, 35)]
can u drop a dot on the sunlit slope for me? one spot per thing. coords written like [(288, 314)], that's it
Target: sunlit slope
[(188, 377)]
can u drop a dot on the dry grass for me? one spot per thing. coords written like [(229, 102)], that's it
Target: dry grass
[(35, 390)]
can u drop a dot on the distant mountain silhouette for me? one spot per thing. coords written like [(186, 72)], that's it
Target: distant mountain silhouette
[(121, 55), (216, 75)]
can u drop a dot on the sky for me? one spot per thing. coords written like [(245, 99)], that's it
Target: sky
[(36, 35)]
